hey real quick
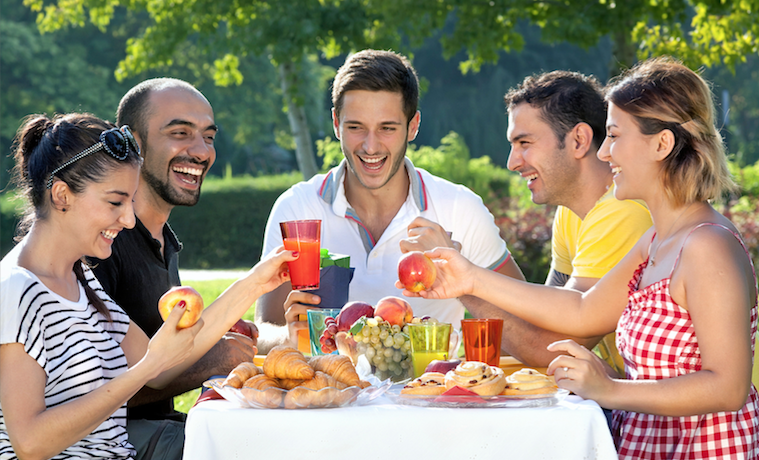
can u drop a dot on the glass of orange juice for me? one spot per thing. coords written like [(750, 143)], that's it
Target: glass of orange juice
[(482, 339), (429, 341), (303, 236)]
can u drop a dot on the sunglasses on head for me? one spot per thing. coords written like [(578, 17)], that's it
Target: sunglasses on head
[(118, 142)]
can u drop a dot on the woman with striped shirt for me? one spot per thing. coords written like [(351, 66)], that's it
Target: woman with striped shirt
[(69, 357)]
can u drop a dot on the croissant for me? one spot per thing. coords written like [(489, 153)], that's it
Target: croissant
[(263, 390), (316, 392), (338, 366), (322, 380), (285, 362), (240, 374), (289, 384)]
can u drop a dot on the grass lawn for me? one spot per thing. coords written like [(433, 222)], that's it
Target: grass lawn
[(209, 290)]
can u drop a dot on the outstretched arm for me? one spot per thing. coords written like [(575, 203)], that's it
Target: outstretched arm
[(560, 310), (218, 317), (721, 320)]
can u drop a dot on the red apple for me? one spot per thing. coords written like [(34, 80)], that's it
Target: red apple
[(394, 310), (351, 312), (192, 300), (416, 271), (437, 365), (244, 328)]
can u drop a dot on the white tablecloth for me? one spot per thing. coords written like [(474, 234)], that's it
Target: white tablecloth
[(573, 429)]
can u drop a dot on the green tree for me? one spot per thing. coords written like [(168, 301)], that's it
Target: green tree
[(46, 74), (73, 70), (702, 32)]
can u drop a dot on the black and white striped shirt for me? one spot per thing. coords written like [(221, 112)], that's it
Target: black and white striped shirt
[(78, 349)]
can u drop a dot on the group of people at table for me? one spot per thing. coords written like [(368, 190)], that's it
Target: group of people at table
[(641, 261)]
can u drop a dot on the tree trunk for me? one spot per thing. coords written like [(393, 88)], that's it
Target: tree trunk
[(623, 52), (296, 114)]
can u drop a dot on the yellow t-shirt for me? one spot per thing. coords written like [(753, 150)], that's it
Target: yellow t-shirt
[(590, 247)]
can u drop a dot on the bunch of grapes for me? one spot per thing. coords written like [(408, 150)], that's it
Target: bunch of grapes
[(386, 347), (327, 339)]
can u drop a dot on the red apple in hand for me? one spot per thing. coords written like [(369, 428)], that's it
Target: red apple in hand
[(242, 327), (394, 310), (416, 271), (193, 302)]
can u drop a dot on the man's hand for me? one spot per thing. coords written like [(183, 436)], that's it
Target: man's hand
[(296, 304), (247, 328), (424, 235)]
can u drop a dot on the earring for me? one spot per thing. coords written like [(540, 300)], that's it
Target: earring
[(63, 209)]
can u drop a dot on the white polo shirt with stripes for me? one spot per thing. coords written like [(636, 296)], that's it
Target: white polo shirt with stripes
[(455, 207)]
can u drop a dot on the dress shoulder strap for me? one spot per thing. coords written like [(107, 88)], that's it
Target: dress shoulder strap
[(736, 235), (648, 256)]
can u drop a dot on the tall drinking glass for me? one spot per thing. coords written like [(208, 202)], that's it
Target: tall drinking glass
[(429, 341), (482, 339), (303, 236), (316, 326)]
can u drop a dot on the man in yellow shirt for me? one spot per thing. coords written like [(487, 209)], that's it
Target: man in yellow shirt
[(556, 125)]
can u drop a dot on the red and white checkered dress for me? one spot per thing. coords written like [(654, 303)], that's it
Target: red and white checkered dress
[(656, 339)]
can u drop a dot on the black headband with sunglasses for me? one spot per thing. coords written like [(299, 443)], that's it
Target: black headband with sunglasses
[(118, 142)]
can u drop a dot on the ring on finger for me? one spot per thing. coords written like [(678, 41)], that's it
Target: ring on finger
[(566, 372)]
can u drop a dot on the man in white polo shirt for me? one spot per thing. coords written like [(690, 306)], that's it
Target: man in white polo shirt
[(376, 205)]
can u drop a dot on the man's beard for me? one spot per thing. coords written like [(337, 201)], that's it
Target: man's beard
[(163, 188), (168, 194)]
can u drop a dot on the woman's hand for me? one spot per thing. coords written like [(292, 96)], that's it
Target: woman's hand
[(170, 346), (456, 276), (582, 372), (295, 305), (272, 271)]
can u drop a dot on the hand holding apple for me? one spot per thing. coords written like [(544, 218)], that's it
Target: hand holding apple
[(456, 276), (416, 271), (246, 328), (193, 304)]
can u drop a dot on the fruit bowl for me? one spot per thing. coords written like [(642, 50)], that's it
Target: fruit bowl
[(384, 348)]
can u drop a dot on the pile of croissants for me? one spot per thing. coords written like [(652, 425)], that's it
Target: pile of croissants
[(290, 380)]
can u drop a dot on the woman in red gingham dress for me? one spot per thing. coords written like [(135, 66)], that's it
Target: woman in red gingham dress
[(657, 340), (688, 335)]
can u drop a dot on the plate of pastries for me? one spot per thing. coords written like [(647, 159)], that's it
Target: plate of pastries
[(476, 384), (290, 380)]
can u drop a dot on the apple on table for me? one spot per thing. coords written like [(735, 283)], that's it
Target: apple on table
[(439, 365)]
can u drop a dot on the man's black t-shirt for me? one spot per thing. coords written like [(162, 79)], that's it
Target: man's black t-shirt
[(136, 276)]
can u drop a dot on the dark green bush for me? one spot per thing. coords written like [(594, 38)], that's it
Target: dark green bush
[(10, 210), (226, 228)]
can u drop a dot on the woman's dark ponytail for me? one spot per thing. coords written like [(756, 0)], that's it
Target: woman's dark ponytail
[(94, 299)]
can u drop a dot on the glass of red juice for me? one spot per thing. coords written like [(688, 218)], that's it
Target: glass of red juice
[(482, 339), (303, 236)]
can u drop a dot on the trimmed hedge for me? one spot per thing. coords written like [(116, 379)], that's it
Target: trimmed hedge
[(226, 228)]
